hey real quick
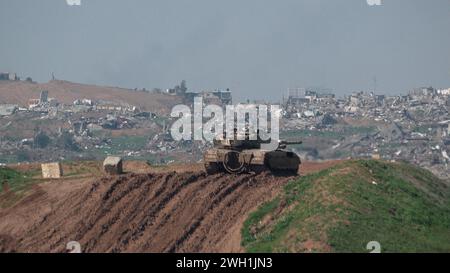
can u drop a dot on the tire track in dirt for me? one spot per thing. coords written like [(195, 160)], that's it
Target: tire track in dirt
[(221, 194), (187, 205)]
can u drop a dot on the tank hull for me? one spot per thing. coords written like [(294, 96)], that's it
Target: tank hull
[(250, 160)]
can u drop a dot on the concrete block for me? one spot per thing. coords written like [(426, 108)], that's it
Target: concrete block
[(52, 170), (113, 165)]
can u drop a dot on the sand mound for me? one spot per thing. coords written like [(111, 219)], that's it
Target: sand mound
[(167, 212)]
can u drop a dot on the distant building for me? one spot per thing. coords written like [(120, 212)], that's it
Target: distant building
[(424, 91), (86, 102), (297, 101), (6, 76), (33, 103), (13, 77), (325, 96), (115, 108), (355, 100), (296, 92), (43, 98), (210, 97), (380, 98), (224, 96), (444, 92), (8, 109), (310, 95), (295, 97), (299, 96)]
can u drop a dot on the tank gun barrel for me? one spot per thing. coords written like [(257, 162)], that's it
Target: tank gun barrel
[(286, 142)]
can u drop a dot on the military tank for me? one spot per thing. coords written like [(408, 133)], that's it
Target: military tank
[(245, 156)]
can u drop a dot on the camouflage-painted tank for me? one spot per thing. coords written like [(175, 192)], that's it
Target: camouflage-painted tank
[(244, 156)]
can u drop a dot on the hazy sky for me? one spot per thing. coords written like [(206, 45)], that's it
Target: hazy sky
[(257, 48)]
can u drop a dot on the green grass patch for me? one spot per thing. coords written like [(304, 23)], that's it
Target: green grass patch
[(17, 181), (404, 208)]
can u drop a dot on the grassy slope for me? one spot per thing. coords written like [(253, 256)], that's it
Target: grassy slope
[(17, 183), (404, 208)]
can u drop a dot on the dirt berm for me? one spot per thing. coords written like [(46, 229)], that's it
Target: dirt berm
[(167, 212)]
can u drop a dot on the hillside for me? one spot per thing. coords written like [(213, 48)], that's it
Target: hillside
[(337, 206), (341, 209), (19, 92), (160, 211)]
